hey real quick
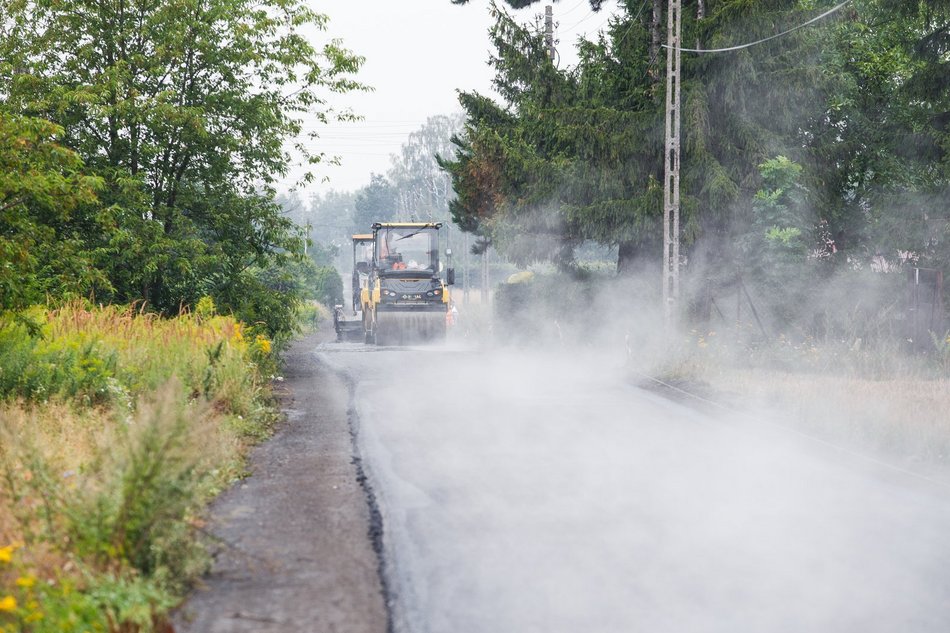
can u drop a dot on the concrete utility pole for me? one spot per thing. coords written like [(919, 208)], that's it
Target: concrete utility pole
[(466, 277), (671, 181), (484, 284), (549, 30), (655, 37)]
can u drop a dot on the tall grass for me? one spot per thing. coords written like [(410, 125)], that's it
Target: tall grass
[(116, 427)]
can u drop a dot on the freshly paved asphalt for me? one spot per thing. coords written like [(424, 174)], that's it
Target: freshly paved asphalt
[(524, 492)]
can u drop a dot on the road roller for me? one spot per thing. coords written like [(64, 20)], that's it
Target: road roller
[(406, 297), (348, 321)]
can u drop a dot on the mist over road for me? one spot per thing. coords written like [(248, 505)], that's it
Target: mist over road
[(539, 491)]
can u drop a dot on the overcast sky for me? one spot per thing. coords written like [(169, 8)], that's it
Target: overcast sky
[(418, 54)]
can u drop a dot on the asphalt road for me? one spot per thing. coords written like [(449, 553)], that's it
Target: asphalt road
[(294, 553), (540, 491)]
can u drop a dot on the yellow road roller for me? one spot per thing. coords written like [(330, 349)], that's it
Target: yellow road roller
[(406, 298), (349, 323)]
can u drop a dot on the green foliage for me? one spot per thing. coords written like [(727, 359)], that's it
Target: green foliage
[(38, 369), (323, 254), (802, 157), (96, 604), (570, 156), (551, 308), (520, 4), (111, 356), (374, 203), (177, 116), (328, 286), (117, 489), (41, 186), (774, 250), (140, 517)]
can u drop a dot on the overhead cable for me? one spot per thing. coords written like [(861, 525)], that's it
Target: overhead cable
[(772, 37)]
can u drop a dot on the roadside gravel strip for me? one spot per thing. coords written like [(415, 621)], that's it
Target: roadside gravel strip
[(296, 553)]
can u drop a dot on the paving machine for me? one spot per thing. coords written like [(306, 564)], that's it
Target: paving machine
[(348, 322), (406, 298)]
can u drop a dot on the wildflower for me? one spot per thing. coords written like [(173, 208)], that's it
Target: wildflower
[(8, 604), (26, 581), (6, 554), (205, 307), (262, 344)]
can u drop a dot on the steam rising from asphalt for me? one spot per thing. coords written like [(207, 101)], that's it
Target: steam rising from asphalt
[(536, 489)]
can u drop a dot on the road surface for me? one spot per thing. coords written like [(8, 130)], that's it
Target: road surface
[(462, 490), (294, 554), (541, 491)]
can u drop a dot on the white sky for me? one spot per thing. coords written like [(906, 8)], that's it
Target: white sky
[(418, 54)]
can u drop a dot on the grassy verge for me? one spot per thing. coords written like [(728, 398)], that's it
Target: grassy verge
[(116, 428), (874, 398)]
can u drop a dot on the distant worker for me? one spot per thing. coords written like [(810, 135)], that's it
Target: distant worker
[(452, 315)]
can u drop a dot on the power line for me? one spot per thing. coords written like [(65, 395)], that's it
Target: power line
[(602, 24), (582, 20), (574, 8), (633, 22), (772, 37)]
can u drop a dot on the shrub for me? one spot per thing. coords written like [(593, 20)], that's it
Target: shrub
[(115, 429), (328, 286)]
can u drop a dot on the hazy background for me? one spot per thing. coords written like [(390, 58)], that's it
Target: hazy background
[(418, 54)]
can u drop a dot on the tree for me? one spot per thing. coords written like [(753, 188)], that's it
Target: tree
[(423, 189), (376, 202), (521, 4), (41, 186), (184, 109), (774, 249), (570, 156)]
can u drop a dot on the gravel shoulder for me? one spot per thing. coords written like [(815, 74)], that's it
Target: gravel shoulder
[(296, 551)]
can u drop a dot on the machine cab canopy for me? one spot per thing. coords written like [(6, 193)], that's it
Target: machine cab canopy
[(407, 248), (362, 252)]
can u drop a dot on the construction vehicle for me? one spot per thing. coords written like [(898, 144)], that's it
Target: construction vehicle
[(348, 322), (406, 298)]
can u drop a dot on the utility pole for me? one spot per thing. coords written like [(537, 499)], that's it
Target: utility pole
[(671, 181), (655, 38), (466, 277), (484, 284), (549, 30)]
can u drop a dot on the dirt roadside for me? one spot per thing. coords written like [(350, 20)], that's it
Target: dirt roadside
[(296, 552)]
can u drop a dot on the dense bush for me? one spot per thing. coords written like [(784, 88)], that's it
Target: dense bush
[(545, 307)]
